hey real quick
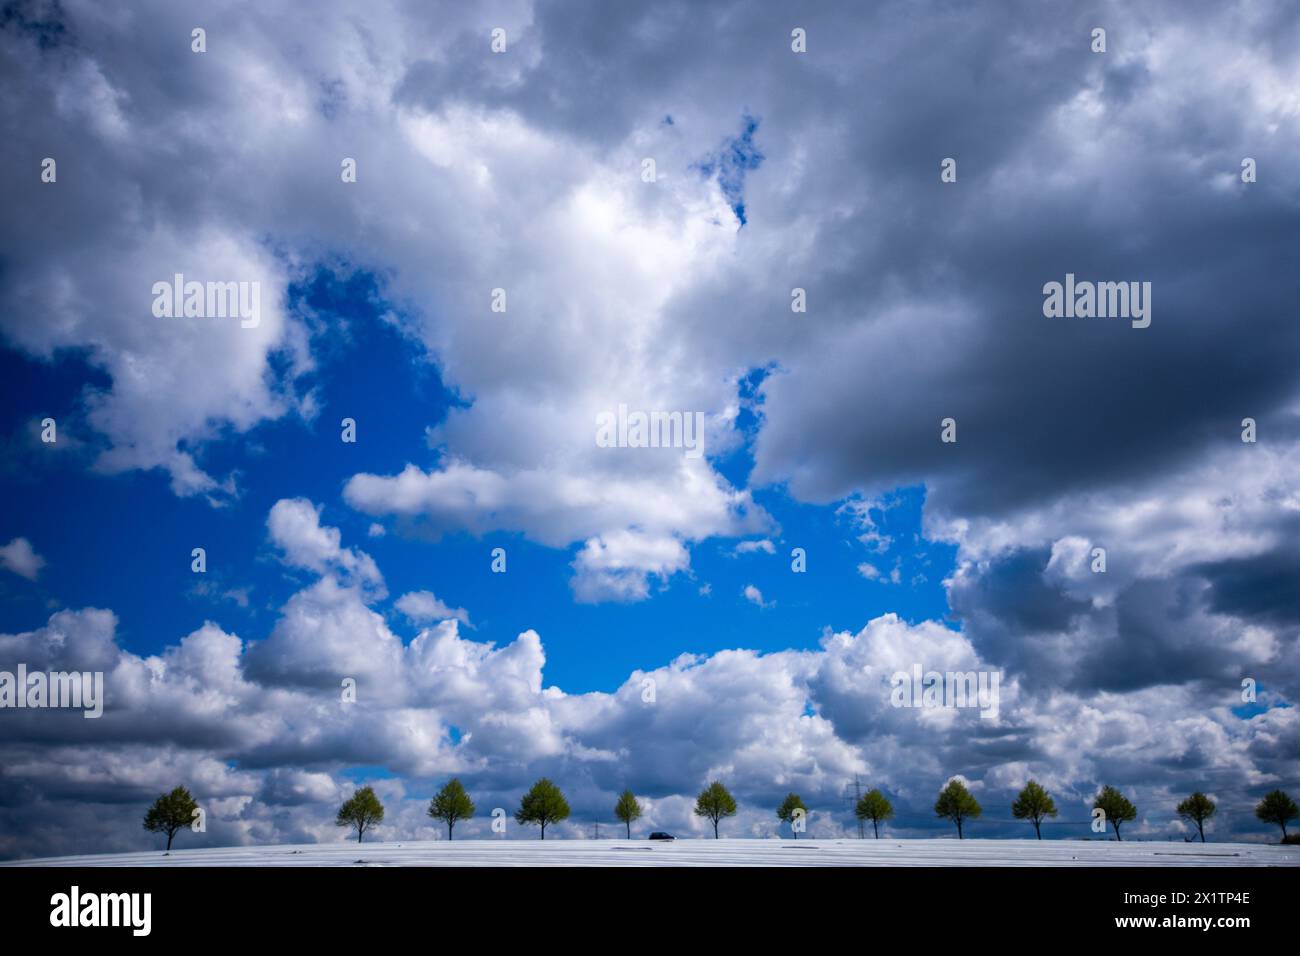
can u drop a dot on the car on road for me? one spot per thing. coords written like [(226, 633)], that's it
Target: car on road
[(657, 835)]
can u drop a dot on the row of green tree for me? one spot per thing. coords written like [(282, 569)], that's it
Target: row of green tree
[(545, 804), (1035, 804)]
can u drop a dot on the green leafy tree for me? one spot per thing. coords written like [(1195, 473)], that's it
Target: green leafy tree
[(1198, 808), (715, 803), (957, 804), (1034, 804), (1117, 808), (786, 812), (874, 806), (170, 812), (1277, 807), (451, 804), (543, 804), (628, 810), (362, 810)]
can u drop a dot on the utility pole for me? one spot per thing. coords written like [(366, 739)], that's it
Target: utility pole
[(857, 798)]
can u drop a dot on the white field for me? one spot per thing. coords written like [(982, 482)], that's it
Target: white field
[(869, 852)]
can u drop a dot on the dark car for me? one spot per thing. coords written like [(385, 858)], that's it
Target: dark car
[(662, 836)]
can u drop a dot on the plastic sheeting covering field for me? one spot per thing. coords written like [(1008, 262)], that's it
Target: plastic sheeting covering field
[(711, 853)]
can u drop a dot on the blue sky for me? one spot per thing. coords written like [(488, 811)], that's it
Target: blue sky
[(370, 371)]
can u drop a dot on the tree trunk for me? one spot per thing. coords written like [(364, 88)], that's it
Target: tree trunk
[(543, 829), (629, 828), (1038, 829), (172, 833), (959, 836), (875, 826), (715, 830), (1118, 838), (1283, 829), (1201, 828), (360, 832), (449, 832)]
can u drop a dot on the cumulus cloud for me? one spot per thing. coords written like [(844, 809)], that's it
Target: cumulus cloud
[(754, 596), (294, 527), (325, 634), (614, 253), (615, 562), (619, 566), (1169, 605), (424, 607), (19, 557), (263, 742)]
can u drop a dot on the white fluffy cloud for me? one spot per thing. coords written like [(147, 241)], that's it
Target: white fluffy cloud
[(294, 527), (261, 730), (21, 558), (442, 209), (618, 566), (765, 723), (424, 607), (616, 561)]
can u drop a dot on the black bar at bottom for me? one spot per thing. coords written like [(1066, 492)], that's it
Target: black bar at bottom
[(338, 905)]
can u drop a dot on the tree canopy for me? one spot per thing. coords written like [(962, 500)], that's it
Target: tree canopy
[(1034, 804), (1116, 806), (1198, 808), (792, 811), (627, 810), (543, 805), (874, 806), (170, 812), (451, 804), (957, 804), (715, 803), (1277, 807), (362, 810)]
